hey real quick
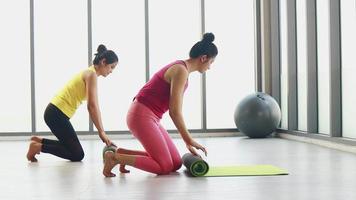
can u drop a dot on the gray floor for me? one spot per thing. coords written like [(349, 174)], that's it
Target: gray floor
[(315, 173)]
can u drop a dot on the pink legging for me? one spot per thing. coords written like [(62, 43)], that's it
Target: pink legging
[(162, 155)]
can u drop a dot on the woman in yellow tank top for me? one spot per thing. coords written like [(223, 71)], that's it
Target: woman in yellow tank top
[(83, 86)]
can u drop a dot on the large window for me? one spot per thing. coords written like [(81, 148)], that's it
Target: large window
[(61, 51), (302, 64), (231, 76), (284, 63), (15, 101), (348, 33), (323, 35), (127, 39), (174, 27)]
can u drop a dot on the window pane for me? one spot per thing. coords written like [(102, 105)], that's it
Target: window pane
[(323, 35), (302, 64), (171, 37), (284, 63), (127, 39), (348, 33), (15, 86), (231, 76), (61, 51)]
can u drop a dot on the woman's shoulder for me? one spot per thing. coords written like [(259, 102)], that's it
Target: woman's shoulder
[(179, 66), (89, 73), (176, 70), (90, 69)]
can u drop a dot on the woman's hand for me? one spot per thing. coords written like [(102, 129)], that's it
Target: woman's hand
[(106, 139), (194, 145)]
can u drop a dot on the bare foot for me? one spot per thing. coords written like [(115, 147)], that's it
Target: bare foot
[(33, 149), (123, 170), (36, 139), (109, 163), (122, 167)]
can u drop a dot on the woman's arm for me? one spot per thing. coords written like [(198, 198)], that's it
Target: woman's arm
[(93, 105), (178, 78)]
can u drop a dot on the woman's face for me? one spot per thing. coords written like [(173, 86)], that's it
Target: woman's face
[(108, 68), (205, 63)]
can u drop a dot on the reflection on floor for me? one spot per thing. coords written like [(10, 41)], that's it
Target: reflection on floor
[(314, 173)]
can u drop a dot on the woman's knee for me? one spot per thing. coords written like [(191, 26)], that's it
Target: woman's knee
[(77, 156), (166, 167), (177, 164)]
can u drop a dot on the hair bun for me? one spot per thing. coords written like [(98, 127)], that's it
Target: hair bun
[(101, 48), (208, 37)]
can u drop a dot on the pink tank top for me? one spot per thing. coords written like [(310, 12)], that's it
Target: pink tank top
[(156, 92)]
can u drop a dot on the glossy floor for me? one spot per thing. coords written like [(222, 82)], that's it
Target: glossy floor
[(315, 173)]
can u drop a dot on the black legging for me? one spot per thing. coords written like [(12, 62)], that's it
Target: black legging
[(67, 146)]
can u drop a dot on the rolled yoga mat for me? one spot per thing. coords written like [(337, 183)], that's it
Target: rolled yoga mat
[(195, 165)]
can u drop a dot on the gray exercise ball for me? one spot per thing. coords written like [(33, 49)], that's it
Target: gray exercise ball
[(257, 115)]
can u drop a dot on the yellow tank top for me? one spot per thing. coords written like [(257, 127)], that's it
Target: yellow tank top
[(71, 96)]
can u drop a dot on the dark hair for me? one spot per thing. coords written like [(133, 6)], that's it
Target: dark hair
[(204, 47), (102, 53)]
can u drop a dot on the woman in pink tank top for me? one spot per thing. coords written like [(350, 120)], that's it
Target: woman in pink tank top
[(162, 93)]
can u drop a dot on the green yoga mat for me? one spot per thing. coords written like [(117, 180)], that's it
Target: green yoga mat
[(196, 166), (246, 170)]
